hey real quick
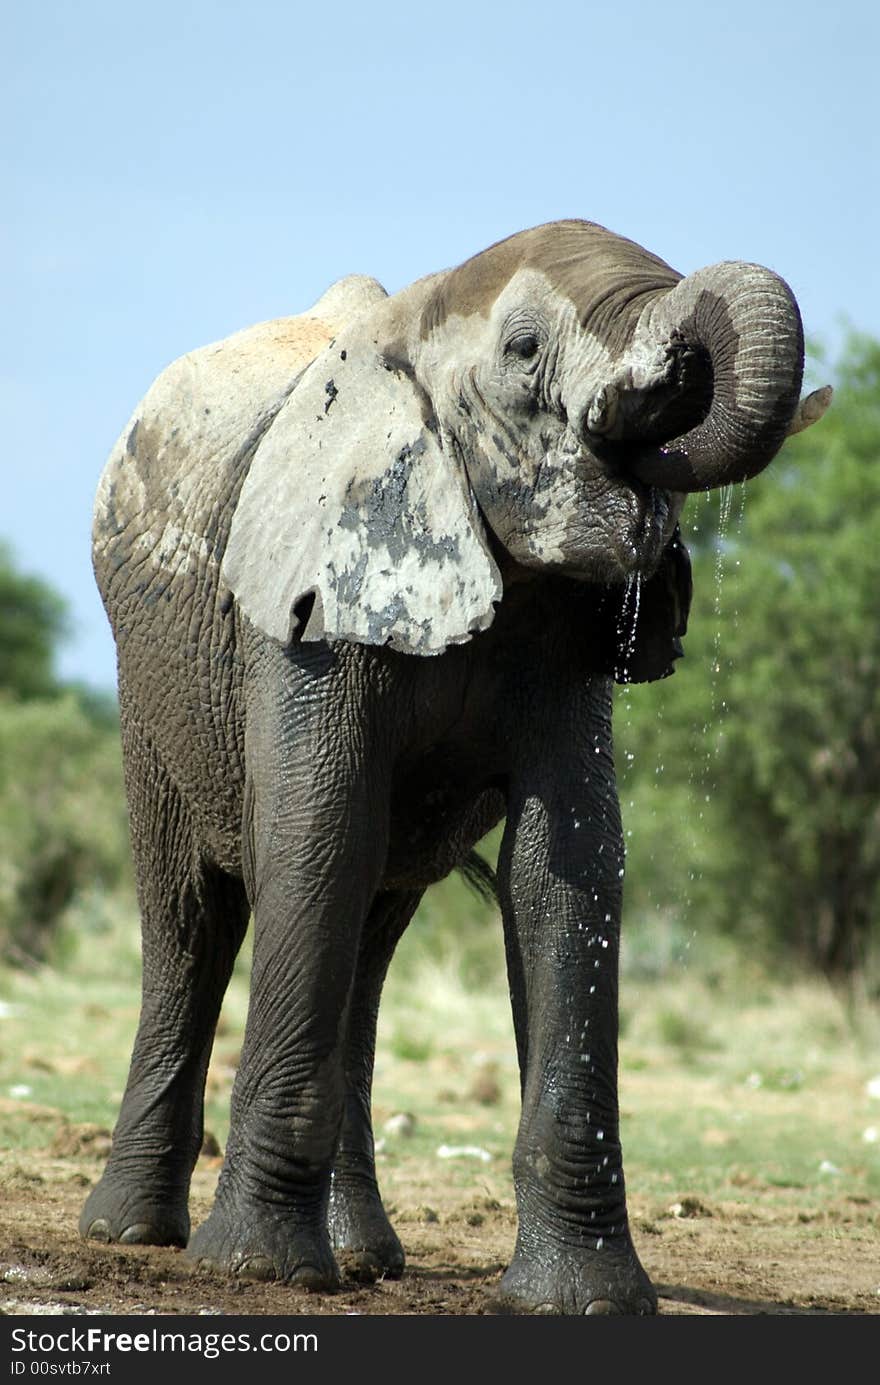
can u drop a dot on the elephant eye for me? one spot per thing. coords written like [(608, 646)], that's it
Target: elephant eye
[(525, 345)]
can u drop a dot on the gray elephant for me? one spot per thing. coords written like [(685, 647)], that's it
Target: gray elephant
[(372, 572)]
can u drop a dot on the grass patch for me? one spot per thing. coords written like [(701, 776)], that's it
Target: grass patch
[(733, 1091), (681, 1030)]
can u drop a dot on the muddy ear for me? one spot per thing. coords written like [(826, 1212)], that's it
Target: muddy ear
[(648, 628), (355, 522)]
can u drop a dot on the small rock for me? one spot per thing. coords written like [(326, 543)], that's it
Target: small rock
[(464, 1152), (46, 1277), (690, 1207), (826, 1166), (400, 1124)]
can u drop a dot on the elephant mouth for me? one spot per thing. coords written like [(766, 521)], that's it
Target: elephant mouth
[(648, 530), (616, 526), (655, 513), (643, 508)]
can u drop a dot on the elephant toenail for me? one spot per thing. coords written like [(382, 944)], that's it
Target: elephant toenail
[(99, 1231), (645, 1308), (309, 1277), (547, 1308), (138, 1234), (256, 1267), (602, 1305)]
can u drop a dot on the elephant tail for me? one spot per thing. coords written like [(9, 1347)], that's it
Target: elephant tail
[(480, 876)]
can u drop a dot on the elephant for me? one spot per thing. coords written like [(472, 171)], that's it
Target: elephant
[(373, 571)]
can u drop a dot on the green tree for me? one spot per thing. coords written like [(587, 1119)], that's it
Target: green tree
[(801, 754), (772, 727), (33, 620), (62, 819), (62, 810)]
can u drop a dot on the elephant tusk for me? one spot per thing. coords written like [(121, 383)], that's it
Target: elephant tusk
[(810, 409), (602, 413)]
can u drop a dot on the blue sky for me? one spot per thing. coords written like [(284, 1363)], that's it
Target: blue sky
[(173, 172)]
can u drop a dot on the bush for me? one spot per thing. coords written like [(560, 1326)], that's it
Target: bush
[(62, 819), (33, 620), (765, 746)]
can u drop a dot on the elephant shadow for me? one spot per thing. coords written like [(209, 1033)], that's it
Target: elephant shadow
[(725, 1304)]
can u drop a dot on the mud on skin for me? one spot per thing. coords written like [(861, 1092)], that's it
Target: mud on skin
[(353, 633)]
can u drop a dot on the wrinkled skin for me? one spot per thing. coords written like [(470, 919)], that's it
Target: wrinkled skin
[(365, 608)]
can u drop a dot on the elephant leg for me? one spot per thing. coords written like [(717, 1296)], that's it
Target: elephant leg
[(360, 1231), (194, 917), (560, 879), (317, 833)]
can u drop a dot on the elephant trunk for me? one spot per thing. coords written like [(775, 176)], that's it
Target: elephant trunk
[(745, 321)]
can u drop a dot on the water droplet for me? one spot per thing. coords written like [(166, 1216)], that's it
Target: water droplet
[(628, 621)]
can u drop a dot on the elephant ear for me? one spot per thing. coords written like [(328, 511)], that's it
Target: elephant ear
[(355, 521), (646, 625)]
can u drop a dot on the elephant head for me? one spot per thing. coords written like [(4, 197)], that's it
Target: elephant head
[(547, 405)]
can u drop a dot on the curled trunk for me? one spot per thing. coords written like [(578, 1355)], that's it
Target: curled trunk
[(745, 323)]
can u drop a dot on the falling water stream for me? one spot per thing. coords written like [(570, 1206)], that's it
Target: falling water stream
[(701, 764), (704, 755), (629, 618), (725, 546), (700, 775)]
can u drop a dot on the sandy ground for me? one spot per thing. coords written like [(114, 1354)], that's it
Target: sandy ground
[(726, 1259)]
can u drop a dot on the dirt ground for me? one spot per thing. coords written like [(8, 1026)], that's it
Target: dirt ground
[(727, 1259)]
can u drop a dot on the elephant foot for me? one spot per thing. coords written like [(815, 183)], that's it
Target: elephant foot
[(265, 1246), (365, 1242), (115, 1213), (606, 1279)]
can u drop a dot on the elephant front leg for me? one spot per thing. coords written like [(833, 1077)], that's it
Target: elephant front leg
[(560, 874), (360, 1232), (318, 843)]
